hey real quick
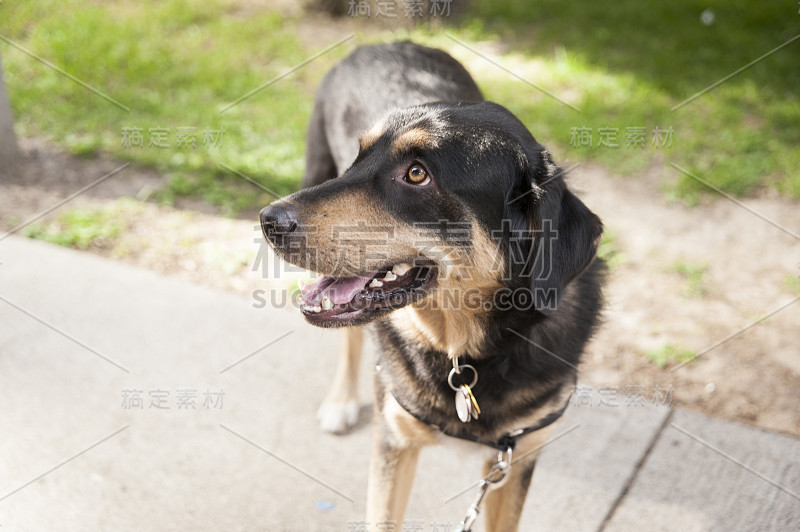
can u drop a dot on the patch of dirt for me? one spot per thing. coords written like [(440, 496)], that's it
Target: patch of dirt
[(189, 241), (753, 377)]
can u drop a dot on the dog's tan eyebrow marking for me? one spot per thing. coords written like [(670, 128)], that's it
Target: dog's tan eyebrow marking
[(371, 135), (413, 138)]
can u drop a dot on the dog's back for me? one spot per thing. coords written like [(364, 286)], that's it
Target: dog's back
[(363, 87)]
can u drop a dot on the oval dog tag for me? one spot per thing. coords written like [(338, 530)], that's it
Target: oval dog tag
[(463, 406)]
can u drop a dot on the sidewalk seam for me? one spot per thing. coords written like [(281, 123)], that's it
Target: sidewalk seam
[(634, 475)]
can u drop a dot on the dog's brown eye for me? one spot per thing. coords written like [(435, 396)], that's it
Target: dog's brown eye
[(416, 174)]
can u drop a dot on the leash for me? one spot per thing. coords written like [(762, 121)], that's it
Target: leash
[(496, 478), (505, 450)]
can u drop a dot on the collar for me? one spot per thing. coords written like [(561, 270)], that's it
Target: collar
[(508, 440)]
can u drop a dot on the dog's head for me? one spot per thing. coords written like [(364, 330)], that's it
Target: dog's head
[(444, 202)]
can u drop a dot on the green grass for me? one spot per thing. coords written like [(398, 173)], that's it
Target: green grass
[(669, 354), (633, 61), (177, 63), (81, 228), (694, 275)]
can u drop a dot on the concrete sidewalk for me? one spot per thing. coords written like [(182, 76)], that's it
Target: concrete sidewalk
[(90, 347)]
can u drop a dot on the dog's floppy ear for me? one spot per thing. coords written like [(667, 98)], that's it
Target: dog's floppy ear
[(566, 233)]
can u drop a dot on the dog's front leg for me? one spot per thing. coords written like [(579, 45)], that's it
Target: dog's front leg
[(391, 475), (504, 505), (339, 411)]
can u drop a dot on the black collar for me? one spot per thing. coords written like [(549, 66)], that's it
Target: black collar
[(508, 441)]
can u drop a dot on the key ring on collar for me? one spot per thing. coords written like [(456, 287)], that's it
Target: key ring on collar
[(453, 372)]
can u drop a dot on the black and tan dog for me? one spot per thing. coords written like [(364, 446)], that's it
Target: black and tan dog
[(450, 228)]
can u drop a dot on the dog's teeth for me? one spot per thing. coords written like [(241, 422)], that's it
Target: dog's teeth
[(327, 304), (389, 276), (315, 309), (401, 269), (375, 284)]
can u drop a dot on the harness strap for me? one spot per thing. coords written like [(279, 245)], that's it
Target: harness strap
[(508, 441)]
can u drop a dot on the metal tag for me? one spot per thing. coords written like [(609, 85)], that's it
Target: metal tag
[(474, 409), (463, 405)]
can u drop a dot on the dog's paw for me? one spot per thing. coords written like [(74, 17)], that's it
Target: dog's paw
[(338, 417)]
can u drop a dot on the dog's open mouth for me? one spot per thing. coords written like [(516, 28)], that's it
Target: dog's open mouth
[(329, 300)]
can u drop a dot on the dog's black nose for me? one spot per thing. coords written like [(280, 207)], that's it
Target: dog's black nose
[(277, 222)]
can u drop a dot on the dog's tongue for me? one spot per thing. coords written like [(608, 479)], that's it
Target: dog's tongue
[(340, 290)]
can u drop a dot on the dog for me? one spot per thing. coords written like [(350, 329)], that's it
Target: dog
[(452, 232)]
